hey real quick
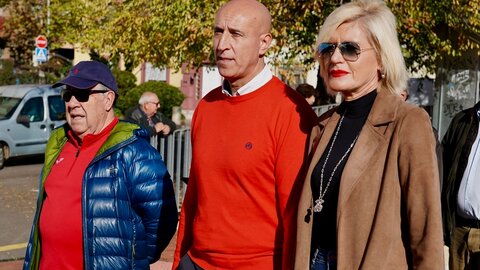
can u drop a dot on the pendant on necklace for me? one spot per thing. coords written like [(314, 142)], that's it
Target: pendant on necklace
[(318, 205)]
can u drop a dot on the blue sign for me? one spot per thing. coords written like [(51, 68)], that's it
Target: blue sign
[(41, 54)]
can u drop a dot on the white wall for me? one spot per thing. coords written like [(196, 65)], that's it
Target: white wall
[(312, 76), (211, 79), (154, 73)]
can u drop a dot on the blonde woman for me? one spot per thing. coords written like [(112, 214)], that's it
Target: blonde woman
[(371, 198)]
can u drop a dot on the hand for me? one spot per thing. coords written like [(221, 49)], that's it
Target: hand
[(162, 128)]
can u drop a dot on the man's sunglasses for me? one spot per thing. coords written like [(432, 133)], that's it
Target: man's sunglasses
[(349, 50), (80, 94)]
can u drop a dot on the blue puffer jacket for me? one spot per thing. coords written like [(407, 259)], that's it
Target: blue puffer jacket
[(129, 210)]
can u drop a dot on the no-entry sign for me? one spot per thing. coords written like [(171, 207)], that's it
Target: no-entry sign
[(41, 42)]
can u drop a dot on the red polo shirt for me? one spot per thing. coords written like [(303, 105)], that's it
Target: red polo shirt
[(61, 216)]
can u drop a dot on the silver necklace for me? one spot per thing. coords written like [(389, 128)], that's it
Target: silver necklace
[(319, 202)]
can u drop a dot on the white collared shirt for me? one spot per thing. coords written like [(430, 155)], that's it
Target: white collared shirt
[(468, 198), (258, 81)]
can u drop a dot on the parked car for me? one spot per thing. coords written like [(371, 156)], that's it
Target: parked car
[(28, 113)]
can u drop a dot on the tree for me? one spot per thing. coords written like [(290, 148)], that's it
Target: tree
[(163, 32), (25, 20), (3, 3), (428, 30), (172, 32), (431, 30)]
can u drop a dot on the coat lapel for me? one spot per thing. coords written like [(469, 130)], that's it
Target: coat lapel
[(327, 127), (373, 137)]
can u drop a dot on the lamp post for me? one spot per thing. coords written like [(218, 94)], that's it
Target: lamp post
[(48, 17)]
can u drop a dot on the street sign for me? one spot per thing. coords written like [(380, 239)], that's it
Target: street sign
[(41, 42), (41, 54)]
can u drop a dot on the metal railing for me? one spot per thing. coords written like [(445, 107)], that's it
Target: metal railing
[(319, 110), (176, 151)]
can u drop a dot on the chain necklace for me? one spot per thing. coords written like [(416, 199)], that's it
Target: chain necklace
[(319, 202)]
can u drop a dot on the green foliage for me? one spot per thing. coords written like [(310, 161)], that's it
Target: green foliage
[(26, 19), (54, 69), (95, 56), (173, 32), (4, 2), (27, 77), (431, 30), (7, 76), (125, 82), (25, 22), (168, 95), (163, 32)]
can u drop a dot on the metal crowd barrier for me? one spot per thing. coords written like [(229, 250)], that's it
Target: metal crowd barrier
[(176, 151), (319, 110)]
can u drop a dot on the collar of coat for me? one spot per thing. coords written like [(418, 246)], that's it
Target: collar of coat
[(383, 111), (119, 134)]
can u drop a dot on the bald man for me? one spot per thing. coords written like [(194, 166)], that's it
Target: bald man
[(249, 138), (146, 115)]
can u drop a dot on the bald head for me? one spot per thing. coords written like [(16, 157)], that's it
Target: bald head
[(254, 11), (147, 97), (149, 103), (241, 39)]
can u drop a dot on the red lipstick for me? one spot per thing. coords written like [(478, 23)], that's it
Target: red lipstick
[(338, 73)]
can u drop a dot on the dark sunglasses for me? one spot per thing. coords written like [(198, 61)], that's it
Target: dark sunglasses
[(80, 95), (349, 50)]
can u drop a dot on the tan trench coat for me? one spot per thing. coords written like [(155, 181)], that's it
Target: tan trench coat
[(388, 214)]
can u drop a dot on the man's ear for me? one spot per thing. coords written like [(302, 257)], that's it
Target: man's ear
[(265, 41), (109, 100)]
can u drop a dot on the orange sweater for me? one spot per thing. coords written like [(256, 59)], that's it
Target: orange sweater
[(240, 206)]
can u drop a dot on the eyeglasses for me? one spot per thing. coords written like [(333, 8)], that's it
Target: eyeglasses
[(156, 103), (80, 94), (349, 50)]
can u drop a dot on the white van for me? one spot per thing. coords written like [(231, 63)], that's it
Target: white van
[(28, 113)]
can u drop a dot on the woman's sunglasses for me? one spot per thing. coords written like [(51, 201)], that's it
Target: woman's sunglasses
[(80, 94), (349, 50)]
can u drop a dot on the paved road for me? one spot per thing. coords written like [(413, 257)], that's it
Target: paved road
[(18, 194)]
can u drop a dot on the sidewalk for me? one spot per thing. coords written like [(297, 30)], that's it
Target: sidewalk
[(16, 265), (165, 262)]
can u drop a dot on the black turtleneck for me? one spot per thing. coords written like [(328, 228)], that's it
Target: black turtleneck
[(356, 113)]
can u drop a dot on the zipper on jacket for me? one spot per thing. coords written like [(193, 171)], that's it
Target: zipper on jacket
[(80, 143), (100, 156)]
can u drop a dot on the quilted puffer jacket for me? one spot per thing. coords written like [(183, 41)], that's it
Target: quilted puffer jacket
[(127, 180)]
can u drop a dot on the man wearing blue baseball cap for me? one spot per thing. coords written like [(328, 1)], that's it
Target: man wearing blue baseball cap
[(106, 200)]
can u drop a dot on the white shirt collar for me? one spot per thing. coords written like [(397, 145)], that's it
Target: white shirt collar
[(258, 81)]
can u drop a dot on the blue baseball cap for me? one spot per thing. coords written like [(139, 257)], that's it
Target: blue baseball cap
[(87, 74)]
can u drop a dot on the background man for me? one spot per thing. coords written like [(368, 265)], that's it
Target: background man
[(461, 189), (146, 115), (307, 91), (106, 200), (249, 139)]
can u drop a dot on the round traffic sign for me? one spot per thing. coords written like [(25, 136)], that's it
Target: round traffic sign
[(41, 41)]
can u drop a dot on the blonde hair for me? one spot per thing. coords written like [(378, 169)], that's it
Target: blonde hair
[(376, 19)]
